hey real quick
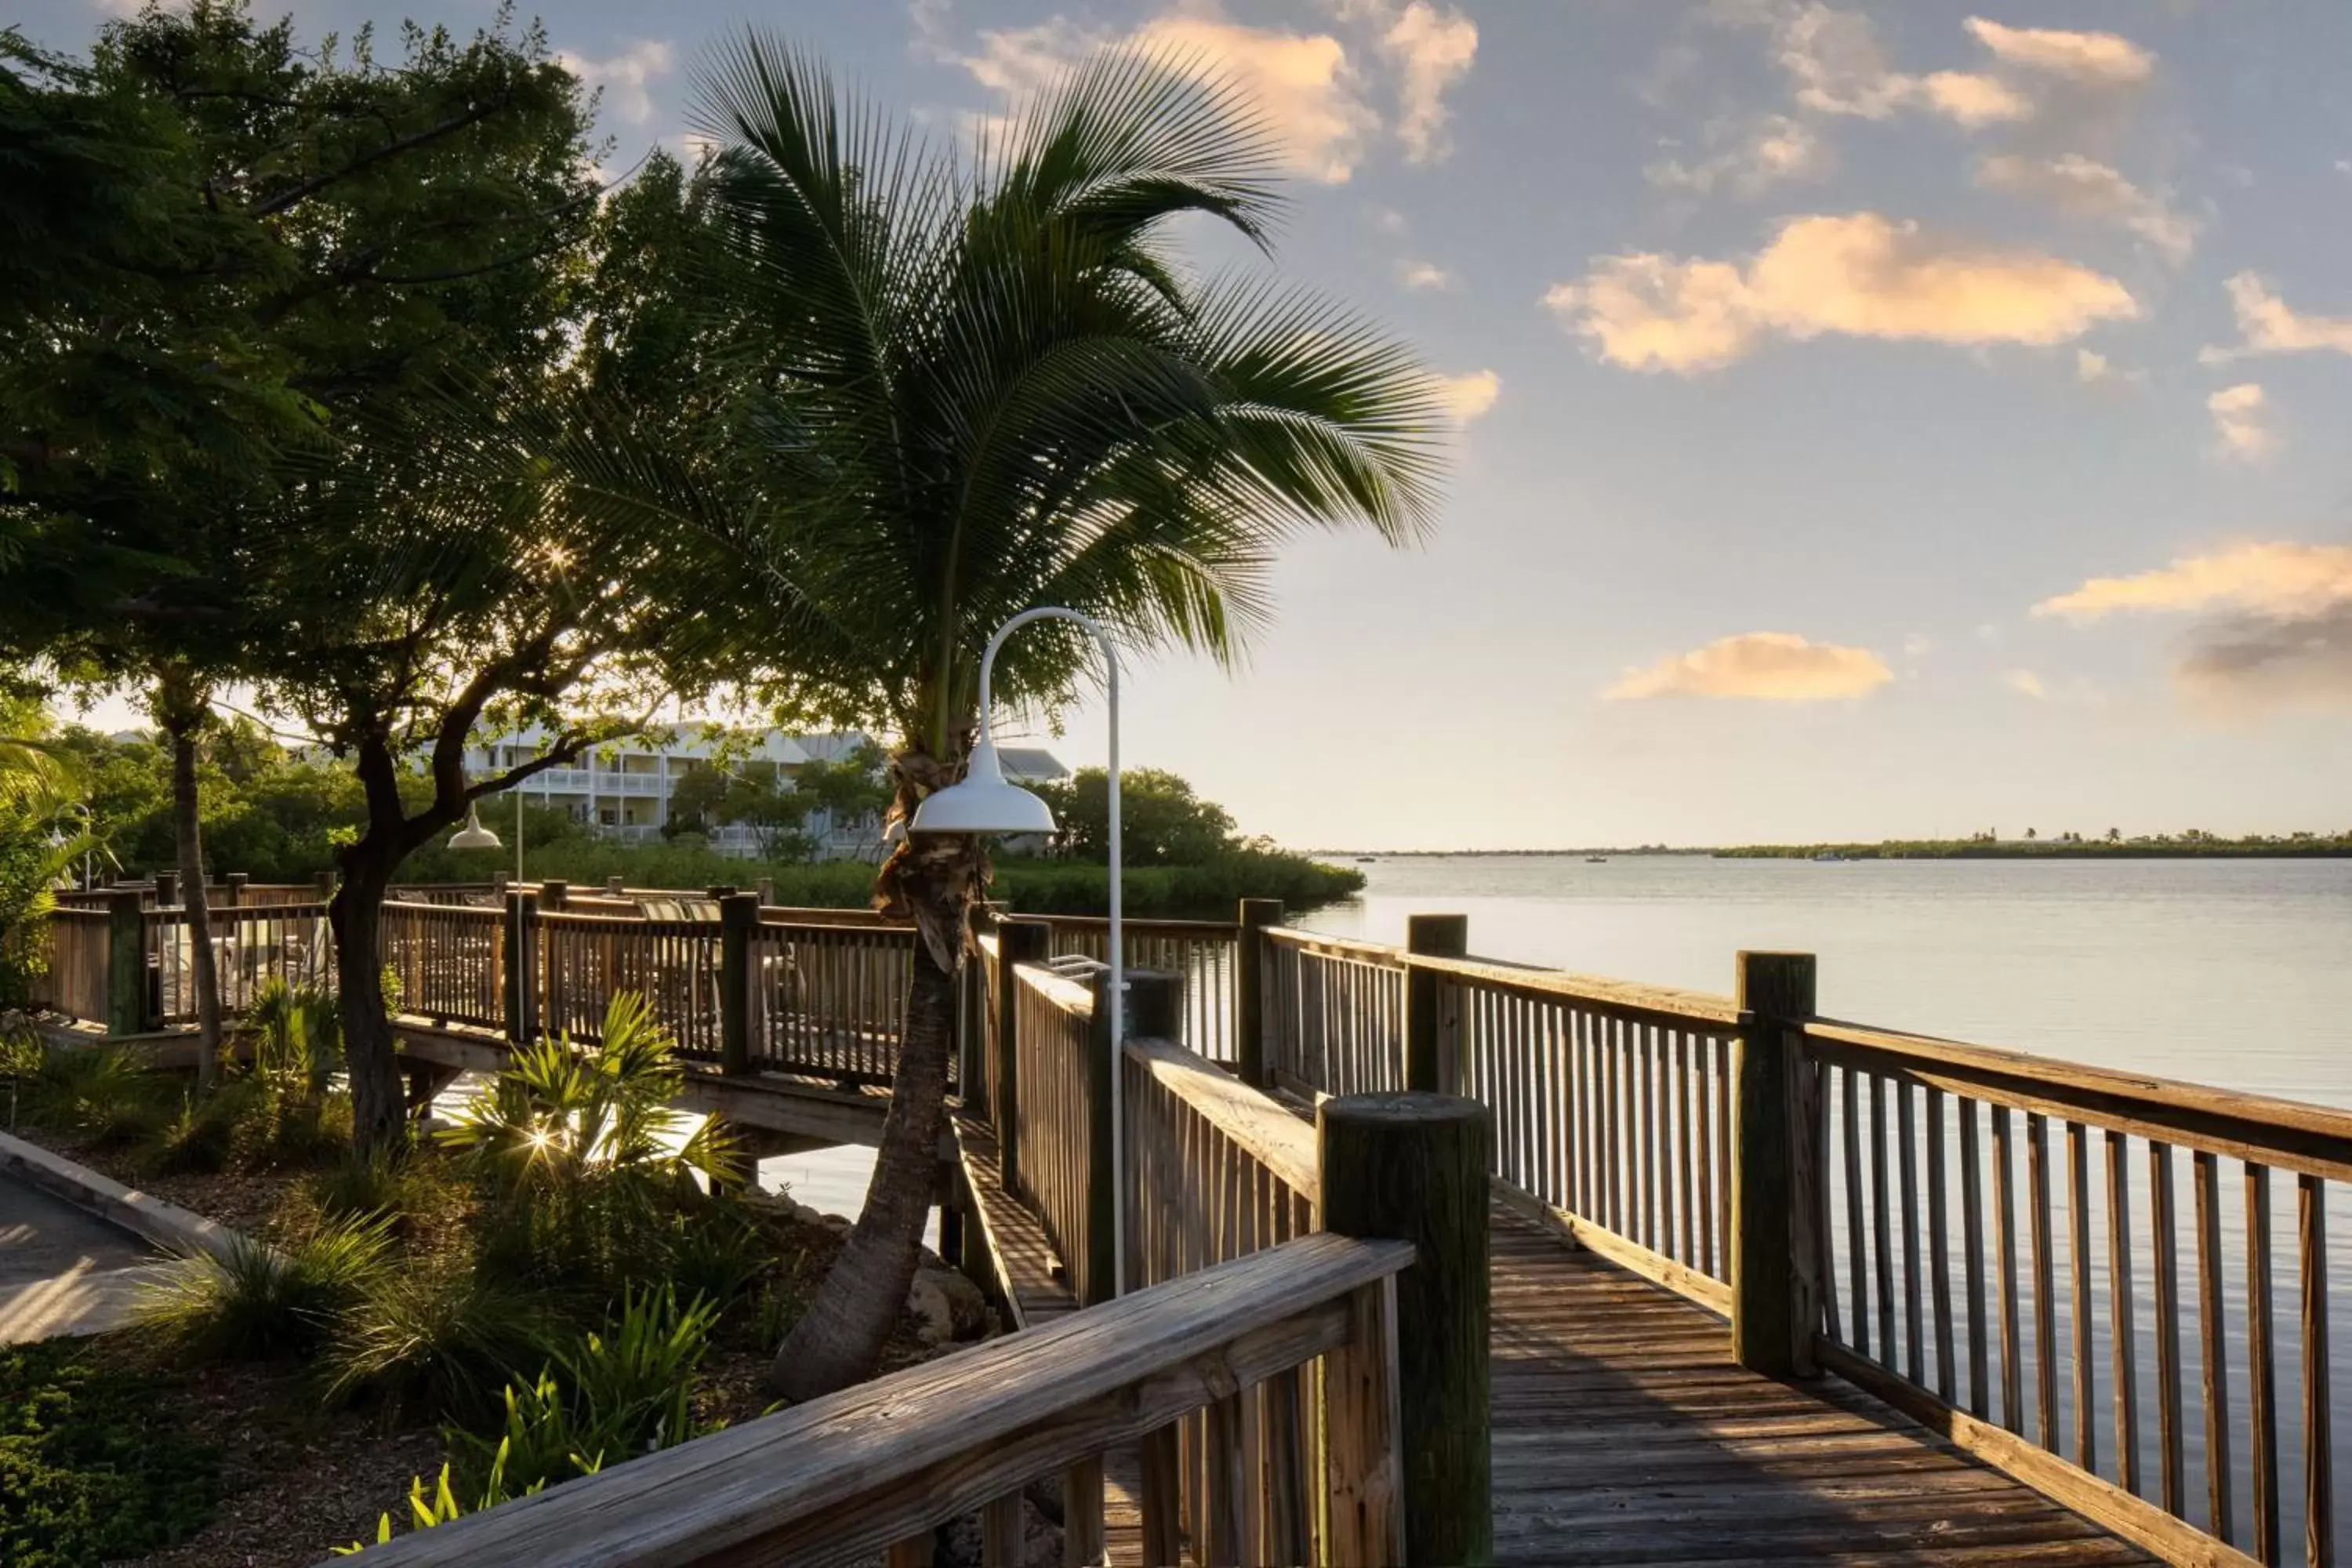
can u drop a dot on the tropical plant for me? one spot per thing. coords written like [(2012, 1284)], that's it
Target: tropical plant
[(106, 1093), (438, 1507), (560, 1114), (298, 1035), (997, 386), (443, 1335), (251, 1300), (615, 1394)]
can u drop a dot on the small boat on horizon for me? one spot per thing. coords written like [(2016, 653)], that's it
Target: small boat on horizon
[(1596, 859), (1367, 860)]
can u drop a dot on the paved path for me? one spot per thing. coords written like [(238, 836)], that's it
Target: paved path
[(63, 1271)]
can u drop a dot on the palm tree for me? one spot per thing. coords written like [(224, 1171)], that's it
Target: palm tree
[(996, 384)]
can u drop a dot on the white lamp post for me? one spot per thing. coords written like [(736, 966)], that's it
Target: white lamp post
[(984, 803)]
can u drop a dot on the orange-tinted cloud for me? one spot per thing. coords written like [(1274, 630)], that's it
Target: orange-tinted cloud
[(1860, 274), (1468, 396), (1768, 666), (2276, 578), (2089, 59), (2268, 326)]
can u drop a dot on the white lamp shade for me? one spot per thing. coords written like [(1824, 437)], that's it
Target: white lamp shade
[(474, 836), (983, 803)]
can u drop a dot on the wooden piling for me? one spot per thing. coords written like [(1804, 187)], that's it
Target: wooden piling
[(739, 918), (521, 934), (1018, 942), (1431, 1060), (1249, 988), (1413, 1167), (126, 962), (1775, 1293)]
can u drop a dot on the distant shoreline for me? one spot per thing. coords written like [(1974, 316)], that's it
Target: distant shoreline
[(1927, 850)]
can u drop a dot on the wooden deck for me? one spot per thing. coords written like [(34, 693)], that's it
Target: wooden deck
[(1624, 1433)]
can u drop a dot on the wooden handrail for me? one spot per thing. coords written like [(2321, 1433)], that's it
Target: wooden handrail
[(1263, 1128), (851, 1474), (1064, 992), (2316, 1140), (1337, 946)]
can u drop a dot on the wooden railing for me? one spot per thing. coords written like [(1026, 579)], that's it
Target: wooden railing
[(1334, 1014), (829, 997), (75, 979), (449, 961), (2007, 1238), (1201, 952), (1064, 1144), (583, 961), (849, 1477), (250, 946)]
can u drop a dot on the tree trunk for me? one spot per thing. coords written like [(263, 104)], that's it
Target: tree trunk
[(180, 704), (839, 1340), (378, 1106)]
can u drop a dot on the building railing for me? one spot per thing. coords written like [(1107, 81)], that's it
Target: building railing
[(1334, 1014), (251, 945), (74, 980), (1063, 1153), (829, 997)]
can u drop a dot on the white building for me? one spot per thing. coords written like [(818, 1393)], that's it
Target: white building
[(622, 789)]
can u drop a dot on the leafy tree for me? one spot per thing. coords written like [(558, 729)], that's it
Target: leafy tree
[(272, 243), (1161, 821), (40, 836), (993, 385)]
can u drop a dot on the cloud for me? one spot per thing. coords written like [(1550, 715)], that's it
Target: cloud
[(1466, 397), (2267, 326), (2239, 419), (626, 76), (2276, 578), (1432, 49), (1862, 275), (1424, 275), (1834, 60), (2281, 632), (1773, 151), (2088, 59), (2026, 684), (1768, 666), (1313, 90), (2094, 369), (1918, 645), (2085, 187)]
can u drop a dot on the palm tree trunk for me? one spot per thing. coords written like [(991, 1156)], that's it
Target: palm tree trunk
[(180, 703), (839, 1340)]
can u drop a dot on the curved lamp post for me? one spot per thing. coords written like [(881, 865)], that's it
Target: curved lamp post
[(983, 801)]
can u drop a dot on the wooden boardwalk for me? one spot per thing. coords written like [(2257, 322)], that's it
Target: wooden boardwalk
[(1624, 1433)]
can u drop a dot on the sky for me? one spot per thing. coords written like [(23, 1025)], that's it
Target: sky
[(1873, 420)]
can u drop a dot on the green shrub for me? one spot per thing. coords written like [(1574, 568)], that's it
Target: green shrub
[(613, 1396), (104, 1092), (439, 1507), (203, 1134), (717, 1254), (256, 1301), (93, 1466), (418, 1193), (443, 1336)]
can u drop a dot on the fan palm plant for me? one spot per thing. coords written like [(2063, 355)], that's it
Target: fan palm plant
[(993, 383)]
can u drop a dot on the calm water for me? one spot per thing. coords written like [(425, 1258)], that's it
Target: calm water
[(2233, 972)]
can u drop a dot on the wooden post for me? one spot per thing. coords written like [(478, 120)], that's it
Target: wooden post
[(554, 893), (326, 881), (1775, 1172), (767, 890), (1249, 987), (1155, 1004), (232, 893), (613, 887), (1018, 942), (738, 916), (167, 888), (1413, 1167), (500, 881), (522, 965), (722, 891), (1431, 1002), (126, 962)]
